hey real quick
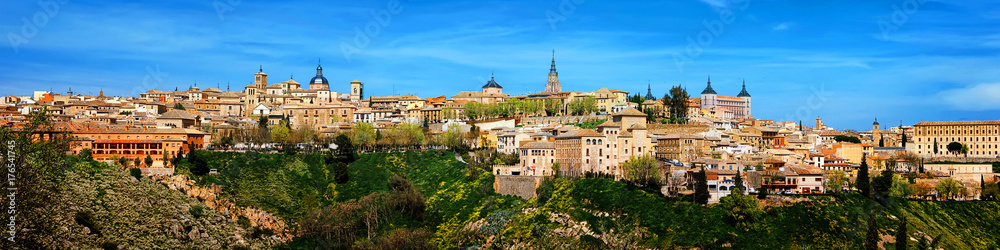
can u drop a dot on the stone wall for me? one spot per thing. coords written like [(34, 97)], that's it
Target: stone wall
[(157, 171), (561, 119), (662, 129), (209, 195), (523, 186)]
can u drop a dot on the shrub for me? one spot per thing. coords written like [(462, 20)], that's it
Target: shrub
[(135, 172), (197, 211)]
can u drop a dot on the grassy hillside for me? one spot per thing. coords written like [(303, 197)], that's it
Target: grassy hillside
[(429, 199), (111, 209)]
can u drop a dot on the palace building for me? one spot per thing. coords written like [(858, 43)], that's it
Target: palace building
[(726, 107), (982, 138)]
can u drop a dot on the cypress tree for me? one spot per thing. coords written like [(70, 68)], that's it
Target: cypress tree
[(701, 194), (872, 236), (881, 141), (982, 187), (901, 234), (739, 183), (762, 193), (935, 146), (863, 181)]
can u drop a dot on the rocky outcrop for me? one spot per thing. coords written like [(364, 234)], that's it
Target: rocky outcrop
[(210, 196)]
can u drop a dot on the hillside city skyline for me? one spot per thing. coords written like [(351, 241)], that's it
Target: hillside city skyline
[(783, 52)]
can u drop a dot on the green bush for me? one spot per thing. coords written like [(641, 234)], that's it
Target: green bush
[(135, 172)]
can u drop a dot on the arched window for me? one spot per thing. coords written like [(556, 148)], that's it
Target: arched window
[(588, 141)]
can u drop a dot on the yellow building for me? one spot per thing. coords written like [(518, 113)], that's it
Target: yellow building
[(982, 138)]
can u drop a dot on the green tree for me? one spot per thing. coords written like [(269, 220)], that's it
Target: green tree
[(740, 188), (583, 105), (863, 183), (676, 100), (552, 106), (149, 161), (882, 184), (935, 148), (701, 194), (844, 138), (901, 187), (762, 191), (740, 210), (872, 235), (642, 170), (122, 161), (280, 134), (881, 141), (990, 191), (954, 148), (901, 235), (362, 134), (262, 122), (178, 106), (948, 188), (835, 180), (903, 136), (922, 244), (965, 150)]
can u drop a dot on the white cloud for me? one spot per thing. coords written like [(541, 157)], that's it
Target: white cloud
[(783, 26), (978, 97)]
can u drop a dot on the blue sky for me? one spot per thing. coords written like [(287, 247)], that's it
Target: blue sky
[(845, 61)]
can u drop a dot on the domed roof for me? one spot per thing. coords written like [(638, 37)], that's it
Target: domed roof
[(492, 83), (319, 79)]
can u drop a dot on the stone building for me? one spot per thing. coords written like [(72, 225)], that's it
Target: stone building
[(726, 107), (982, 138), (492, 93), (604, 149)]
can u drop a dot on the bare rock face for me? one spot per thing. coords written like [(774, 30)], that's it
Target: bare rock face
[(210, 196)]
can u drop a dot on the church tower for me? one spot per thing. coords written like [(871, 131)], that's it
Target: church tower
[(553, 84), (876, 134), (357, 91), (708, 96), (260, 79), (746, 98)]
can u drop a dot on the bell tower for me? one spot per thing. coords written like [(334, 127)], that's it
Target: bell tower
[(260, 79)]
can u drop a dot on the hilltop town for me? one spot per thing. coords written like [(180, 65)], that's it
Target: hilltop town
[(553, 132)]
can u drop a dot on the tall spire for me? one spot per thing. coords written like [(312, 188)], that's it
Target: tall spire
[(649, 91), (261, 68), (708, 89), (744, 93), (553, 70)]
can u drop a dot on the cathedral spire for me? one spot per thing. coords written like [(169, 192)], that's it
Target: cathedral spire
[(649, 91), (261, 68), (553, 70)]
